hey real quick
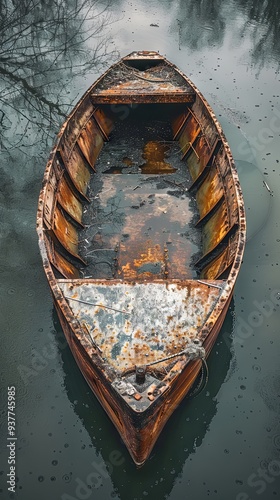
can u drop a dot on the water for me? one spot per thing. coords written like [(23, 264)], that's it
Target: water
[(225, 443)]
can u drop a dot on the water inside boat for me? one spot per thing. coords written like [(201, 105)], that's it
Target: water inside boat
[(140, 223)]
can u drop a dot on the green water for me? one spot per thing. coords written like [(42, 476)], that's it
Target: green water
[(224, 444)]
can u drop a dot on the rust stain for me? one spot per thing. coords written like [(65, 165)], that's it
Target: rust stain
[(127, 161), (210, 192), (90, 142), (77, 168), (67, 269), (137, 396), (127, 84), (145, 98), (64, 267), (188, 133), (178, 123), (215, 229), (66, 233), (154, 153), (175, 316), (217, 266), (49, 201), (142, 260), (198, 157), (104, 122), (69, 201)]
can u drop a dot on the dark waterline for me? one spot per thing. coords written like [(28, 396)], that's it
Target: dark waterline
[(224, 444)]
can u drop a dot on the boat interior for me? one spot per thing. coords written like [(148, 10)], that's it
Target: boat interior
[(139, 192), (141, 195)]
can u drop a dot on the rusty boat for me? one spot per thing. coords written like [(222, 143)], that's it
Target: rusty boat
[(141, 230)]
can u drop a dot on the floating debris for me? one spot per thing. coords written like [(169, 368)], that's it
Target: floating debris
[(268, 188)]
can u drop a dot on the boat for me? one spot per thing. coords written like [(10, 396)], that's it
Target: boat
[(141, 229)]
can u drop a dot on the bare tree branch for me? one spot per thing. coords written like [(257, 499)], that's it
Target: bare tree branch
[(44, 45)]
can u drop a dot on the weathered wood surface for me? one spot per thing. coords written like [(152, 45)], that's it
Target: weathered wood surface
[(141, 243)]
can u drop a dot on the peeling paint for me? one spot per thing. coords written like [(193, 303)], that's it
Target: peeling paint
[(136, 324)]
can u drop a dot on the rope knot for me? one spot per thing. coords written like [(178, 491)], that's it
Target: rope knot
[(194, 350)]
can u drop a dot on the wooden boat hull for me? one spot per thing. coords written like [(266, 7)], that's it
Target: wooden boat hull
[(138, 434), (139, 333)]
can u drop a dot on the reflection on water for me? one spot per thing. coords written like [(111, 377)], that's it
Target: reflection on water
[(47, 59), (210, 29), (254, 18), (44, 46), (261, 20), (199, 24), (182, 435)]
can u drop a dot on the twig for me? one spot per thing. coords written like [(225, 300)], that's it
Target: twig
[(268, 188), (96, 305), (101, 250)]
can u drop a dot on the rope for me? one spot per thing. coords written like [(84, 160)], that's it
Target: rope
[(194, 351), (203, 380), (135, 71)]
